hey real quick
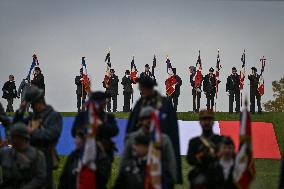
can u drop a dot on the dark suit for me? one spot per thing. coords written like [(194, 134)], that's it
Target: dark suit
[(196, 94), (233, 87), (209, 87), (9, 93), (127, 91), (254, 93), (174, 97), (39, 81), (80, 91), (112, 89)]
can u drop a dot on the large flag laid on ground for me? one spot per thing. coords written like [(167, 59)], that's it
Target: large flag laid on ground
[(87, 166), (261, 79), (244, 172), (107, 74), (86, 81), (198, 76), (35, 63), (153, 175), (134, 71), (171, 80), (218, 68)]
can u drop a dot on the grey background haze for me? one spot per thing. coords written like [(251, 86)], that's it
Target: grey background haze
[(63, 31)]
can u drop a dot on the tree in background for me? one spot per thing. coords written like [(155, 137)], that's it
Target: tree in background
[(276, 105)]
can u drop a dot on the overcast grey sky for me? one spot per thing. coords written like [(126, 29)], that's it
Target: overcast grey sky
[(64, 31)]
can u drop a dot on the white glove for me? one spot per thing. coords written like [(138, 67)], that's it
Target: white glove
[(81, 79), (228, 93)]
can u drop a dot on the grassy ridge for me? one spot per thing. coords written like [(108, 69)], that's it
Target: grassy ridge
[(267, 170)]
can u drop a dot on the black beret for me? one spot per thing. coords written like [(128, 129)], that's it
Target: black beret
[(211, 70), (127, 72), (254, 68), (147, 82), (112, 70), (234, 68), (33, 94), (147, 66), (99, 95)]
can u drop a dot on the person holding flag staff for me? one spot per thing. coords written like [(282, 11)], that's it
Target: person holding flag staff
[(83, 86), (110, 83), (98, 152), (254, 93), (233, 90), (38, 77), (158, 153), (209, 88), (147, 72), (127, 90), (196, 83), (168, 120)]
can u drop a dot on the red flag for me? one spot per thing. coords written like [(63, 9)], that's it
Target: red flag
[(244, 172), (134, 72), (107, 74), (153, 175), (198, 76), (171, 81)]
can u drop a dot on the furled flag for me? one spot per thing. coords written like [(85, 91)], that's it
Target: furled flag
[(107, 74), (153, 175), (154, 65), (261, 79), (218, 68), (86, 81), (198, 76), (87, 166), (243, 71), (134, 71), (171, 80), (35, 63), (244, 172)]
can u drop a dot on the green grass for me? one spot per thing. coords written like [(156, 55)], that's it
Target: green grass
[(267, 170)]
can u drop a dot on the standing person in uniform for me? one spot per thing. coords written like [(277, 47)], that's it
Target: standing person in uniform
[(209, 88), (25, 84), (147, 72), (44, 126), (9, 93), (106, 129), (254, 93), (22, 166), (168, 121), (112, 90), (196, 91), (233, 90), (174, 97), (38, 79), (127, 90), (202, 155), (80, 91)]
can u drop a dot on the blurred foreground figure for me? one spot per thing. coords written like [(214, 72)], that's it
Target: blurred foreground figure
[(22, 166), (9, 93), (44, 126), (168, 119), (68, 178), (99, 128), (132, 153), (202, 155), (6, 122)]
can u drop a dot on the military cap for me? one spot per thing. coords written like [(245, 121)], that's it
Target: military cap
[(112, 70), (234, 68), (203, 114), (147, 66), (127, 72), (147, 82), (146, 112), (254, 68), (211, 70), (20, 129), (33, 94), (99, 95)]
